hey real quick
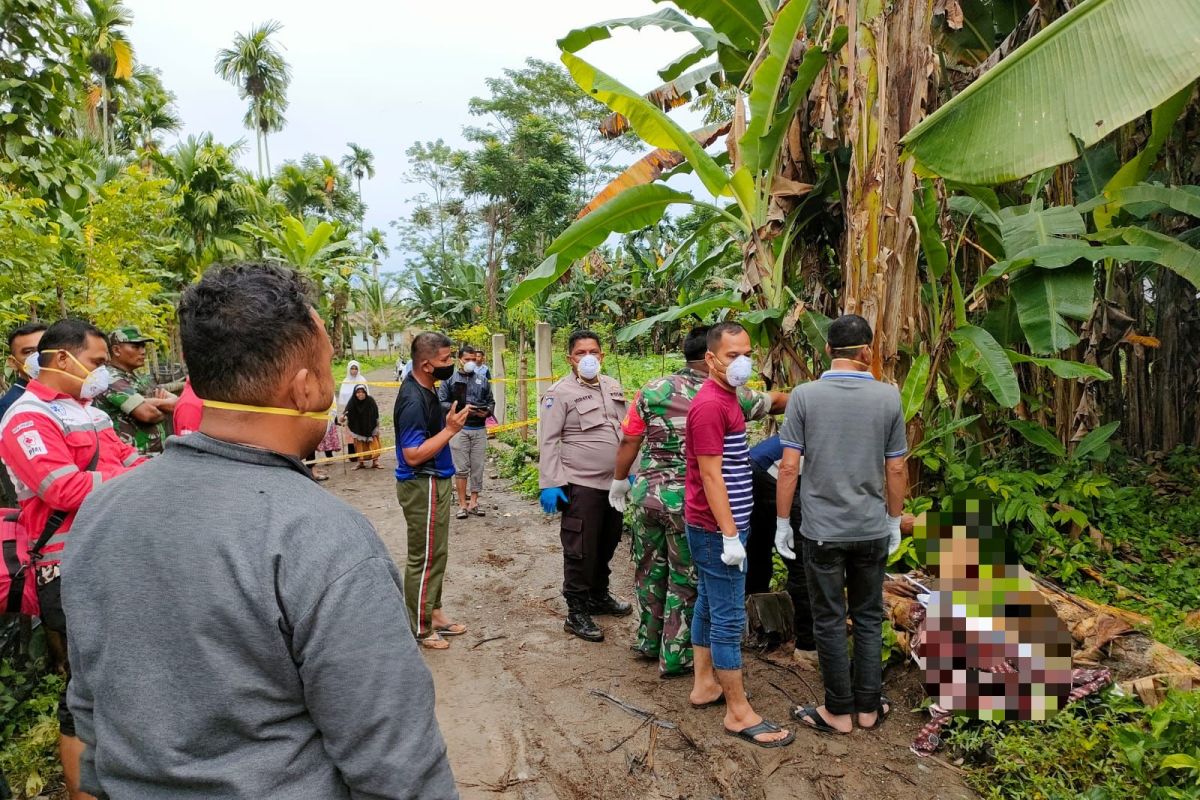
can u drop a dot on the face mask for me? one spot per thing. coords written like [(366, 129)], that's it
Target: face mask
[(33, 365), (95, 383), (589, 367), (443, 373), (738, 371), (469, 367), (282, 412)]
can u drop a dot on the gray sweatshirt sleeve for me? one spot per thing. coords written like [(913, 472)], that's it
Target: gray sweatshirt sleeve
[(368, 688)]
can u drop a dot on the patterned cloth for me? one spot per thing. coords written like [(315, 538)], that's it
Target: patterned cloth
[(659, 413), (1084, 682), (127, 391), (665, 585)]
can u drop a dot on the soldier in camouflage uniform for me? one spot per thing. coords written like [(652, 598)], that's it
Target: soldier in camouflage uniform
[(140, 411), (664, 579)]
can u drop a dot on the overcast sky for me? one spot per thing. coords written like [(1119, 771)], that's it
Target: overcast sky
[(381, 74)]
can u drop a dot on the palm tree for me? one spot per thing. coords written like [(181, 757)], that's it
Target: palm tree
[(378, 310), (255, 65), (359, 162), (110, 55), (375, 246)]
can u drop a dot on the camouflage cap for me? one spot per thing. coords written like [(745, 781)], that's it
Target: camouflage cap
[(128, 335)]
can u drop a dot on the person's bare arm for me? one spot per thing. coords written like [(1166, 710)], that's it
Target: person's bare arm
[(148, 413), (785, 482), (897, 485), (779, 401), (716, 493), (627, 453), (415, 456)]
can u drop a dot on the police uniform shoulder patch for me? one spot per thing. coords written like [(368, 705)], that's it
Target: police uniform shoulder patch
[(549, 401)]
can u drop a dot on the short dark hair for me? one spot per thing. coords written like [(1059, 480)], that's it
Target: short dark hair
[(426, 346), (695, 343), (467, 348), (24, 330), (849, 332), (579, 335), (243, 327), (67, 334), (717, 332)]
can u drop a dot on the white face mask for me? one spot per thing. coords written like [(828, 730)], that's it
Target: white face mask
[(95, 383), (33, 365), (589, 367), (469, 367), (739, 371)]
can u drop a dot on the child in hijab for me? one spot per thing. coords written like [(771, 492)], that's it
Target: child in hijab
[(362, 419)]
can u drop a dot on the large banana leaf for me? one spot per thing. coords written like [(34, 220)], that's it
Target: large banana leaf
[(672, 94), (1184, 199), (702, 307), (979, 351), (1060, 366), (767, 84), (650, 167), (668, 19), (741, 21), (1088, 73), (1169, 252), (1046, 299), (631, 210)]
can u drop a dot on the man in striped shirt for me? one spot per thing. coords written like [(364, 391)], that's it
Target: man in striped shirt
[(717, 503)]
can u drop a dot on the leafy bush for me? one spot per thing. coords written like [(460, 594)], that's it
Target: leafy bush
[(28, 727), (1107, 747)]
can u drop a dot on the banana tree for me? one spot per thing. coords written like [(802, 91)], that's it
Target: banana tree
[(764, 186)]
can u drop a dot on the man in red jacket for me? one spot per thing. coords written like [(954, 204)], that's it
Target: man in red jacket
[(58, 448)]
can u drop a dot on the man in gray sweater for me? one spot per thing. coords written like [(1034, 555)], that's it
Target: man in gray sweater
[(237, 631)]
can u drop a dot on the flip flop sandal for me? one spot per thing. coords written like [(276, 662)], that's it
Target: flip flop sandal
[(719, 700), (453, 629), (477, 511), (810, 717), (748, 734), (433, 642), (881, 712), (461, 514)]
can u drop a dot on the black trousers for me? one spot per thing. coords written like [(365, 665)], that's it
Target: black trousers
[(50, 600), (590, 531), (760, 549)]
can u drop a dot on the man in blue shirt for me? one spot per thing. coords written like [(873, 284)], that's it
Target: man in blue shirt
[(424, 468), (22, 343)]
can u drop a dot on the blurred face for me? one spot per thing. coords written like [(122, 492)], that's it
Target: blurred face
[(354, 370), (730, 347), (129, 355), (361, 394), (468, 358), (444, 358), (22, 348)]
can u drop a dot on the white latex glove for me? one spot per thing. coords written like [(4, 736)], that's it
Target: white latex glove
[(618, 493), (785, 539), (893, 526), (733, 554)]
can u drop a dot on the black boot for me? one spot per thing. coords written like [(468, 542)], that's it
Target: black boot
[(580, 623), (611, 606)]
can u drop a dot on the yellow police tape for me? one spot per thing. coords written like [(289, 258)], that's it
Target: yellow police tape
[(369, 454)]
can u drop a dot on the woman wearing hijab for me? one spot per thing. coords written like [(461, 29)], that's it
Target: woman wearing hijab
[(354, 378), (362, 418)]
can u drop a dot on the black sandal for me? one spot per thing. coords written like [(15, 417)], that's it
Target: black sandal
[(810, 717), (748, 734), (881, 713), (461, 514)]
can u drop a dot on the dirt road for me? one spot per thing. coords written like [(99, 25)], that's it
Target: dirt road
[(515, 694)]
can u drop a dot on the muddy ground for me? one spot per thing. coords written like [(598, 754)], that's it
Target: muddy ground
[(516, 702)]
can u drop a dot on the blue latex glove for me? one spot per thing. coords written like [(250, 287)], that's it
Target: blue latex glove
[(550, 499)]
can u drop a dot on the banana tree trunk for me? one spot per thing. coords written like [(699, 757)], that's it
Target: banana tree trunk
[(892, 72)]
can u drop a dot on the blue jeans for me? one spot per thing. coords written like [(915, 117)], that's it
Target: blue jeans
[(719, 618)]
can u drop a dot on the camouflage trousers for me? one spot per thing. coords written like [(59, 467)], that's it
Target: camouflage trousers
[(665, 583)]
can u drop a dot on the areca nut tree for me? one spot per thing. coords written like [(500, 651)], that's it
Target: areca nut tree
[(257, 67), (359, 162), (109, 54)]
